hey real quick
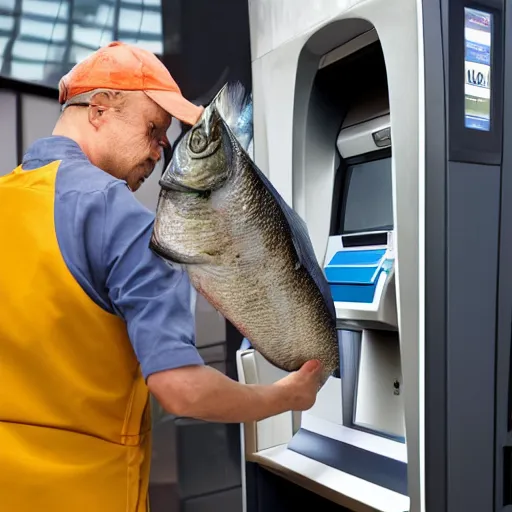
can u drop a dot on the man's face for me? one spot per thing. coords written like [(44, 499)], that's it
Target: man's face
[(132, 139)]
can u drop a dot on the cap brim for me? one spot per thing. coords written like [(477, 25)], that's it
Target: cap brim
[(176, 105)]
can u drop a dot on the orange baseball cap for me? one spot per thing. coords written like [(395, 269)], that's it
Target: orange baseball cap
[(120, 66)]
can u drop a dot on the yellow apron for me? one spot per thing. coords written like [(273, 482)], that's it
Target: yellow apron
[(74, 407)]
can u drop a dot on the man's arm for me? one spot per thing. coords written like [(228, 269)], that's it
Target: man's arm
[(204, 393), (154, 300)]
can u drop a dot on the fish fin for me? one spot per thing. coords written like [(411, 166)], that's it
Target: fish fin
[(235, 107), (302, 243)]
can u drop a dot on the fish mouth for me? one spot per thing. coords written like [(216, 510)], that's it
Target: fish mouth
[(170, 184), (166, 254), (170, 255)]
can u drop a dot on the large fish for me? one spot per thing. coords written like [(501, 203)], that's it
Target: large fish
[(245, 250)]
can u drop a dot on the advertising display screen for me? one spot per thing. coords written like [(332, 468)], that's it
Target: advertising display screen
[(477, 51)]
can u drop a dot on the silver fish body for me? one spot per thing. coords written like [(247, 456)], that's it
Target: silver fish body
[(244, 249)]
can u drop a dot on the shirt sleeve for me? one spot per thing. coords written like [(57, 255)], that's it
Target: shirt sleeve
[(152, 297)]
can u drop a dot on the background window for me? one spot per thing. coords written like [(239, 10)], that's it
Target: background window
[(41, 40)]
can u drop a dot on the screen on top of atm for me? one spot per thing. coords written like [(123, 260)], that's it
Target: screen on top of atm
[(477, 38)]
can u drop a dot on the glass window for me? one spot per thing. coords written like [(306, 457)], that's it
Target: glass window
[(3, 44), (86, 36), (51, 10), (27, 71), (37, 30), (369, 197), (133, 20), (40, 53), (8, 5), (6, 23), (42, 46)]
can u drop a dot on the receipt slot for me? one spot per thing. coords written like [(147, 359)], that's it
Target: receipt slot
[(382, 123)]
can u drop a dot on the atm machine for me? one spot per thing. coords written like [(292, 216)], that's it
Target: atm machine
[(384, 124)]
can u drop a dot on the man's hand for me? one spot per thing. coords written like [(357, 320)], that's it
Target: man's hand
[(301, 387), (204, 393)]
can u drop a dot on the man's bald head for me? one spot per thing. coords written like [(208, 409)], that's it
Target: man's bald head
[(121, 132)]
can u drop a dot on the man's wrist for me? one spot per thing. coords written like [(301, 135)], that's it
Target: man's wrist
[(271, 400)]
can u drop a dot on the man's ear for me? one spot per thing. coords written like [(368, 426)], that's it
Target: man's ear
[(97, 115), (102, 103)]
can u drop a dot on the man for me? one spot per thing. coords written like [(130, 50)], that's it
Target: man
[(92, 320)]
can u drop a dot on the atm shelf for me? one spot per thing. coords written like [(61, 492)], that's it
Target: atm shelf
[(346, 490)]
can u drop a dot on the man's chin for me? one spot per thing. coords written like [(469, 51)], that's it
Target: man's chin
[(135, 186)]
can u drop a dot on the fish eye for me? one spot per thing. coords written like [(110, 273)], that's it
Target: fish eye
[(198, 141)]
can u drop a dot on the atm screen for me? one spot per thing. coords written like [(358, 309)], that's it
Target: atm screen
[(369, 197), (477, 44)]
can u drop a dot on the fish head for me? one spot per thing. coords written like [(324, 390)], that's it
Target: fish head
[(235, 106), (201, 160)]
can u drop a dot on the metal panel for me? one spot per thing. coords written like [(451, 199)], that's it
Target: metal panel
[(503, 486), (370, 467), (268, 492), (8, 140), (227, 501), (461, 262), (216, 446), (435, 491), (472, 259)]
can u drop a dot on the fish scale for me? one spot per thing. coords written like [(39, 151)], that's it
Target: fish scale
[(244, 249)]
